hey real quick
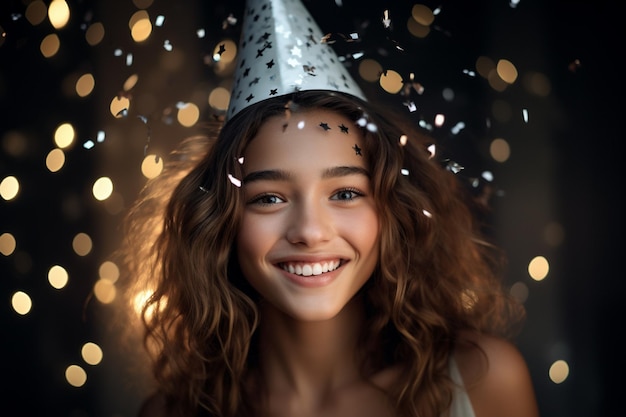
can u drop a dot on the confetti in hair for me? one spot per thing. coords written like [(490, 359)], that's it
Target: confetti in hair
[(235, 181)]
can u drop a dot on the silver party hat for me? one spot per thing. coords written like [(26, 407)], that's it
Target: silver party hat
[(281, 51)]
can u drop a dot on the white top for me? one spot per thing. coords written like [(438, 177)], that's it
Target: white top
[(461, 405)]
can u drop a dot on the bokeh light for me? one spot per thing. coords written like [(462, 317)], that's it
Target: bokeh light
[(82, 244), (188, 114), (7, 244), (102, 188), (500, 150), (391, 81), (151, 166), (58, 13), (538, 268), (36, 12), (559, 371), (140, 26), (95, 33), (9, 188), (58, 277), (75, 375), (50, 45), (64, 135), (105, 291), (92, 353), (55, 160), (109, 270), (21, 303), (85, 85)]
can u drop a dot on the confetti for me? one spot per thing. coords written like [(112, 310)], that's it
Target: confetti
[(386, 19), (159, 20), (235, 181)]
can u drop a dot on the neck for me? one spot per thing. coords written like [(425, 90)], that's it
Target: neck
[(307, 359)]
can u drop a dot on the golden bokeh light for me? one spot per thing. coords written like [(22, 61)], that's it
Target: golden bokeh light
[(9, 188), (506, 71), (559, 371), (102, 188), (484, 66), (151, 166), (422, 14), (496, 82), (119, 106), (64, 135), (219, 98), (105, 291), (537, 83), (228, 50), (391, 81), (58, 13), (82, 244), (94, 34), (85, 85), (21, 303), (188, 114), (500, 150), (140, 26), (75, 375), (417, 29), (58, 277), (91, 353), (50, 45), (370, 70), (55, 160), (130, 82), (538, 268), (142, 4), (36, 12), (7, 244), (519, 291), (109, 270)]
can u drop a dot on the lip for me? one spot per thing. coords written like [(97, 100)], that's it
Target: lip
[(311, 281)]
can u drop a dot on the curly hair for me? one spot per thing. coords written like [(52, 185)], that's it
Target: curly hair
[(437, 274)]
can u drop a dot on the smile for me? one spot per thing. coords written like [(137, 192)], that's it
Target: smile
[(308, 269)]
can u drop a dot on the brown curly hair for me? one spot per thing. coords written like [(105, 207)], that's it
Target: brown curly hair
[(436, 277)]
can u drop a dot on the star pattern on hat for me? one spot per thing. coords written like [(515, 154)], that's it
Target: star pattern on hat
[(281, 48)]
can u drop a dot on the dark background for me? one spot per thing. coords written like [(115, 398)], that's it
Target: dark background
[(565, 169)]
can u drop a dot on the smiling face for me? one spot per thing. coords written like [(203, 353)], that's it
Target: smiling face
[(309, 233)]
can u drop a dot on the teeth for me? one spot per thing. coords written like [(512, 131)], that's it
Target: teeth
[(307, 270)]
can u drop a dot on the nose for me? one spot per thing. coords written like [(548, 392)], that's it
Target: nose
[(310, 224)]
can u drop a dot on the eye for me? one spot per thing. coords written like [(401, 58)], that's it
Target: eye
[(347, 194), (266, 200)]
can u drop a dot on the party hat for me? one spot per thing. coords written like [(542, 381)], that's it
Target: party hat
[(282, 51)]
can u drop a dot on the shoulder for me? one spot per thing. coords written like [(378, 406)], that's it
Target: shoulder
[(496, 377)]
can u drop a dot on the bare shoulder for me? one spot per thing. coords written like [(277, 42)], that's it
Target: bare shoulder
[(496, 377)]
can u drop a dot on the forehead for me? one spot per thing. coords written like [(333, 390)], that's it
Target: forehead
[(305, 139)]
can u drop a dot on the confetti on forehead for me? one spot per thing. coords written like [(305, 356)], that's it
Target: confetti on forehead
[(281, 52)]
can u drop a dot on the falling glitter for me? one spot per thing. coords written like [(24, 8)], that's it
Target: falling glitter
[(525, 115)]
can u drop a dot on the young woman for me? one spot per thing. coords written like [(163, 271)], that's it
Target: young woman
[(315, 259)]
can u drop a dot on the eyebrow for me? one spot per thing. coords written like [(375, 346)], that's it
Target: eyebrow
[(281, 175)]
